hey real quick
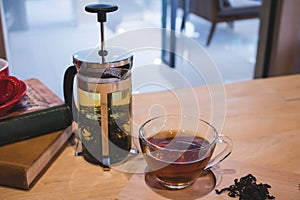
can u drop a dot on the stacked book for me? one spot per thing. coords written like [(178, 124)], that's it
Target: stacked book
[(32, 135)]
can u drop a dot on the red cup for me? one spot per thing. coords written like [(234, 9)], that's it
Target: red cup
[(9, 85), (9, 88), (12, 89), (3, 67)]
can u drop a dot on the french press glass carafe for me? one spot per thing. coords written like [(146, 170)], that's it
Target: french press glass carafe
[(102, 108)]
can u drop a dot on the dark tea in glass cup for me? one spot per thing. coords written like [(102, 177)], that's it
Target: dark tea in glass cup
[(177, 149)]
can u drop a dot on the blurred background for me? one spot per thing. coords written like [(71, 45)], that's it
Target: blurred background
[(42, 35)]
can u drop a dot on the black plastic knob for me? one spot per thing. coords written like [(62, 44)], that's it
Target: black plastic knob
[(101, 10)]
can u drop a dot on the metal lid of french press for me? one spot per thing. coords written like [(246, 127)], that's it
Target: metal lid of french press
[(102, 57)]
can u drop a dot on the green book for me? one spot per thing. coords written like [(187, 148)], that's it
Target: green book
[(39, 112)]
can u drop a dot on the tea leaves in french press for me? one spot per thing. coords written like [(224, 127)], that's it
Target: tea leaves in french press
[(102, 107)]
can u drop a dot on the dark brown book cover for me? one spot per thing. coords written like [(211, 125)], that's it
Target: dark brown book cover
[(23, 163), (40, 111)]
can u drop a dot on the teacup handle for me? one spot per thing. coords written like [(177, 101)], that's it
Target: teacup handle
[(222, 155), (8, 95)]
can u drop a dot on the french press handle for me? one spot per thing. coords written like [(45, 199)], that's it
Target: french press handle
[(68, 88)]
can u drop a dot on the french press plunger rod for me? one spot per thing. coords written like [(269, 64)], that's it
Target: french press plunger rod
[(101, 10), (103, 80)]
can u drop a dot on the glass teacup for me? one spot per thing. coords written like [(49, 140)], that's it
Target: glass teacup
[(178, 148)]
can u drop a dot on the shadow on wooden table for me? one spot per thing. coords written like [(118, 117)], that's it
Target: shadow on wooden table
[(202, 187)]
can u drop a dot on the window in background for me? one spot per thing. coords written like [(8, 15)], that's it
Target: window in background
[(44, 34)]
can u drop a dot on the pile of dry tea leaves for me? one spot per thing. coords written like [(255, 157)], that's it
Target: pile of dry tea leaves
[(247, 189)]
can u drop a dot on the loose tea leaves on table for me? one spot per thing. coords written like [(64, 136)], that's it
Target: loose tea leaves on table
[(247, 189)]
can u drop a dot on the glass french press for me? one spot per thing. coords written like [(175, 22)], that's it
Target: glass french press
[(102, 108)]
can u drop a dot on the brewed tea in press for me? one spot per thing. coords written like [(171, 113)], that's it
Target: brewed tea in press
[(102, 108)]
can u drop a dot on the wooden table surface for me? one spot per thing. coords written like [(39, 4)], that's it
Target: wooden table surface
[(262, 117)]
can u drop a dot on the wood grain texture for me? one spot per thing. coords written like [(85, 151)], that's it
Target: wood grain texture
[(262, 118), (284, 185)]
